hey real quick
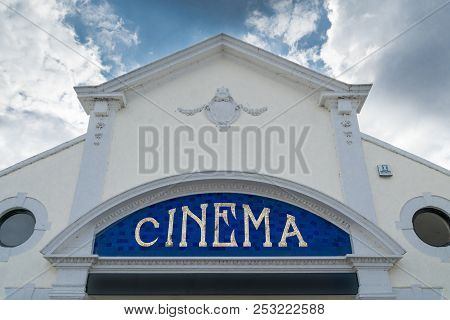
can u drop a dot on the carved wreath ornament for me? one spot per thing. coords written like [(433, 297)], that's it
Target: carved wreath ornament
[(222, 110)]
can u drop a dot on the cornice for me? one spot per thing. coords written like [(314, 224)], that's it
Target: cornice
[(115, 100), (329, 99), (364, 260), (60, 260), (223, 261), (347, 263), (211, 46)]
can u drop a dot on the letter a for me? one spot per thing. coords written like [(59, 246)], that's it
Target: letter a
[(290, 222)]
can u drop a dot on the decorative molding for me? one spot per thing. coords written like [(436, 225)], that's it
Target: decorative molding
[(222, 43), (67, 260), (373, 276), (349, 259), (73, 270), (251, 183), (248, 261), (372, 271), (113, 100), (370, 261), (222, 110), (214, 264), (405, 223), (229, 186), (40, 215), (330, 100), (346, 123)]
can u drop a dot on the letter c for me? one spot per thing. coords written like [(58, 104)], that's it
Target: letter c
[(137, 232)]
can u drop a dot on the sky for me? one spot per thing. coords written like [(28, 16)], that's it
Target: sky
[(402, 47)]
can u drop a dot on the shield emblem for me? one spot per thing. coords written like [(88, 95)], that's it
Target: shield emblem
[(222, 109)]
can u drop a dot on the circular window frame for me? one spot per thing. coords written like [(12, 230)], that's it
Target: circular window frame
[(27, 226), (439, 218), (21, 201), (407, 213)]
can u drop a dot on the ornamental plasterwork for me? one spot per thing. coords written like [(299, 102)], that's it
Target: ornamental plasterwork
[(221, 261), (316, 263), (101, 118), (348, 131), (222, 110), (113, 102), (222, 186), (56, 260)]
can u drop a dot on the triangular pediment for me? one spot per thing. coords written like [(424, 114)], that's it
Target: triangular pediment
[(221, 44)]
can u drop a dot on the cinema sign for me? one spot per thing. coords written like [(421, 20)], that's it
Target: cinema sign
[(222, 224)]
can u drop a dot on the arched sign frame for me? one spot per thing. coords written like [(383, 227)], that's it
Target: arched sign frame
[(70, 252)]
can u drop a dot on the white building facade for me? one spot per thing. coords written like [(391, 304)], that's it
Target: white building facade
[(162, 196)]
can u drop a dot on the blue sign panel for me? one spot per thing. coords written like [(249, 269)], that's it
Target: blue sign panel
[(222, 224)]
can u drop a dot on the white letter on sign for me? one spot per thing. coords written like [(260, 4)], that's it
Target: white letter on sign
[(223, 214), (201, 223), (264, 215), (137, 232), (290, 222), (169, 242)]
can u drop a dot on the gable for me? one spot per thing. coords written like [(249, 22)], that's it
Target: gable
[(291, 107), (224, 45)]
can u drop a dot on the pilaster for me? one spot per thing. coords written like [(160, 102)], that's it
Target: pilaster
[(71, 278), (353, 172), (373, 276), (94, 161)]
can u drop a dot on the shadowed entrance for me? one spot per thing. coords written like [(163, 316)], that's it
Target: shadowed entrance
[(223, 284)]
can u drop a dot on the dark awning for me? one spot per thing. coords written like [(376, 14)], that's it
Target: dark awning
[(223, 284)]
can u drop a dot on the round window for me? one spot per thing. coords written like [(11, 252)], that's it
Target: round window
[(16, 227), (432, 226)]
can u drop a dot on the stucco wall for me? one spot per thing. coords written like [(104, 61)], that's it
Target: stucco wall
[(51, 181), (410, 179), (194, 86)]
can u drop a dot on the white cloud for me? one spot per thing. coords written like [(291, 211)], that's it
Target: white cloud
[(38, 107), (302, 22), (304, 57), (409, 103), (290, 22), (256, 41), (107, 29)]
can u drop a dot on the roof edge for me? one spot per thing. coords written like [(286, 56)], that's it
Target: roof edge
[(169, 59), (42, 155), (404, 153), (220, 42)]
